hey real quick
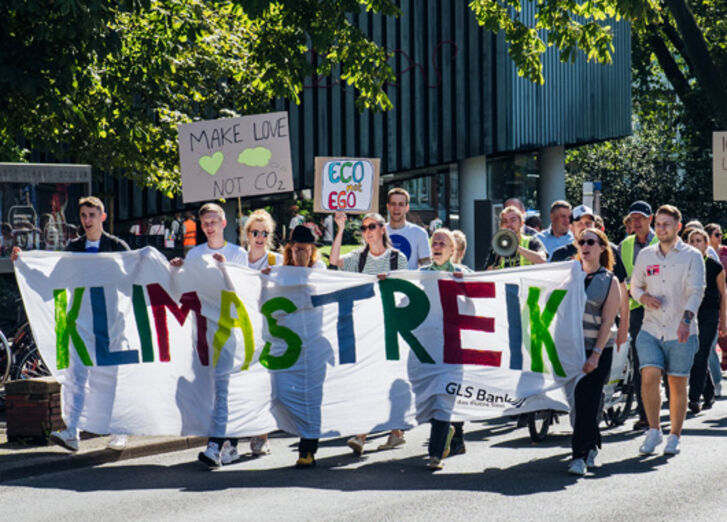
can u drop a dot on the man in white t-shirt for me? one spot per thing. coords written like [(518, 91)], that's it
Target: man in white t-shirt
[(213, 222), (408, 238)]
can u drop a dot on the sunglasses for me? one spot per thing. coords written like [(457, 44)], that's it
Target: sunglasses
[(364, 228), (256, 233), (589, 242)]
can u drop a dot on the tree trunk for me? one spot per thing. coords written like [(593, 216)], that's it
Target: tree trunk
[(704, 67)]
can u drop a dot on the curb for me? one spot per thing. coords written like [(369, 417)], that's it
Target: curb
[(66, 462)]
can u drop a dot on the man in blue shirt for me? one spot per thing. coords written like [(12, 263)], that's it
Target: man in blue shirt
[(558, 233)]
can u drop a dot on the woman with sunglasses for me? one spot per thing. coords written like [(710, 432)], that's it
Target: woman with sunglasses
[(445, 438), (602, 304), (377, 257), (258, 237)]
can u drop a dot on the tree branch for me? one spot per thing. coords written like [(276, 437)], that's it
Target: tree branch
[(697, 51)]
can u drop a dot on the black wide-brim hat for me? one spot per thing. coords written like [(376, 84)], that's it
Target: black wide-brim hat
[(302, 234)]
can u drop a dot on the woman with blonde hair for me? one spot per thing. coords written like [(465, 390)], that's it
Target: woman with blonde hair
[(259, 243), (258, 237), (445, 437)]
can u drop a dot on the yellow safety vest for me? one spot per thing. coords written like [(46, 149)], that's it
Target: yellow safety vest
[(627, 256), (525, 243)]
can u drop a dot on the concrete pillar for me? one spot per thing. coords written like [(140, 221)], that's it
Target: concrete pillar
[(552, 179), (472, 186)]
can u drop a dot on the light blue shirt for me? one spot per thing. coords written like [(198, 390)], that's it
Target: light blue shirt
[(551, 243)]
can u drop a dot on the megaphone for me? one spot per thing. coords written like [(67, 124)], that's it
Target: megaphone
[(505, 242)]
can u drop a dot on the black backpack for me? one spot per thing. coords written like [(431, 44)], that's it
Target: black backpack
[(393, 259)]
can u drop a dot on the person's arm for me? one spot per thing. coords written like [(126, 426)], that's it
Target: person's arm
[(608, 316), (694, 293), (335, 257), (535, 258), (638, 284), (535, 253), (425, 251)]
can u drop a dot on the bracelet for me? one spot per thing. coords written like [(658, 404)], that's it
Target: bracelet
[(597, 350)]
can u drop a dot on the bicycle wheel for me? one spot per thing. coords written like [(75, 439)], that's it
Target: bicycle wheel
[(624, 395), (5, 358), (539, 424), (29, 365)]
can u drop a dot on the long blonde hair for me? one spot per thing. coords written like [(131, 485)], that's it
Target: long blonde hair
[(260, 216)]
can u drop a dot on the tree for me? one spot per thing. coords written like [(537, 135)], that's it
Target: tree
[(688, 37), (137, 71)]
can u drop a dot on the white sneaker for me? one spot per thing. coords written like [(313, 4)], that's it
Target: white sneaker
[(672, 444), (577, 467), (229, 453), (117, 442), (211, 456), (259, 446), (67, 438), (356, 444), (394, 440), (652, 439), (591, 458), (435, 463)]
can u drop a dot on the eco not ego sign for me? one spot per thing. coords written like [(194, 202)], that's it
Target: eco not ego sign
[(346, 184)]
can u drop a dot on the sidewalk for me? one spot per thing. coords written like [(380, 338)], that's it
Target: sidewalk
[(18, 460)]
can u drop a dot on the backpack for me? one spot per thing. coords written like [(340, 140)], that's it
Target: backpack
[(393, 259)]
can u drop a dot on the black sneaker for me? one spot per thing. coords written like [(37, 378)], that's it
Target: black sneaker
[(457, 447), (641, 425), (708, 404), (694, 407)]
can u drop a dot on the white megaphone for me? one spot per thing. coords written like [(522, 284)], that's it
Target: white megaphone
[(504, 242)]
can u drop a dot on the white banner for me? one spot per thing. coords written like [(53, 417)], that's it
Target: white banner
[(208, 349)]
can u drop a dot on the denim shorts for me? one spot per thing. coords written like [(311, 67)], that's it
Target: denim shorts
[(674, 357)]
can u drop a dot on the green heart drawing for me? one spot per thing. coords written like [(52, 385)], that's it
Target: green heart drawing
[(211, 164)]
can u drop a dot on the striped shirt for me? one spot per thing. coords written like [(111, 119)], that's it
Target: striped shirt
[(374, 264)]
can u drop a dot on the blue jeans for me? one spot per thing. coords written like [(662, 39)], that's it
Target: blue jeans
[(674, 357)]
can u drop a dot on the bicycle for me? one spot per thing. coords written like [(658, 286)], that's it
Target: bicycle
[(19, 359)]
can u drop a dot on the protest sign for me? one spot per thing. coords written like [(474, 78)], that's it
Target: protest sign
[(719, 165), (231, 157), (347, 184), (222, 350)]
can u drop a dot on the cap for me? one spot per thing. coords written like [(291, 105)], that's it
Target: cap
[(302, 234), (640, 207), (582, 210)]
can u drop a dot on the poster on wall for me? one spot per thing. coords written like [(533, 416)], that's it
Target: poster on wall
[(231, 157), (719, 165), (347, 184)]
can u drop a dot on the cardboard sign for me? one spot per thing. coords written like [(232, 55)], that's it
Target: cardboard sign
[(347, 184), (719, 165), (231, 157)]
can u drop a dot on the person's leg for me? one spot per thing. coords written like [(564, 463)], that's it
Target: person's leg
[(677, 403), (438, 438), (587, 403), (651, 357), (708, 321), (636, 317), (679, 359)]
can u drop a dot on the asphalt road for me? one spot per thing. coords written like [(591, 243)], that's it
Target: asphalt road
[(503, 476)]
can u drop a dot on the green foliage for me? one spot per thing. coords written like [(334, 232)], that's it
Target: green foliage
[(107, 83), (570, 27)]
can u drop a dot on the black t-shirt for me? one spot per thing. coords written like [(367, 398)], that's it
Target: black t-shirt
[(494, 260), (568, 252), (711, 297)]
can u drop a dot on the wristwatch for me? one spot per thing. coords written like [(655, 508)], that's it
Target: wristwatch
[(597, 350)]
